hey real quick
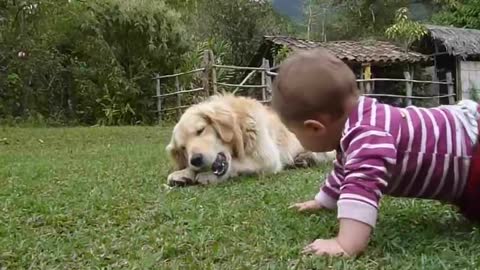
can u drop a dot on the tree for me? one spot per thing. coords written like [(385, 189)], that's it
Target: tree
[(316, 18), (240, 23), (460, 14), (405, 30), (349, 19), (86, 61)]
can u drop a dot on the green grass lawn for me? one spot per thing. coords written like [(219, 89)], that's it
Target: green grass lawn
[(94, 198)]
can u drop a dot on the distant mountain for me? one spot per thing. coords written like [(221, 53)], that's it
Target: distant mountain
[(294, 9), (421, 11), (290, 8)]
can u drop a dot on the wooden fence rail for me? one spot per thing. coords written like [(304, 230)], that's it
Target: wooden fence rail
[(245, 80), (240, 68), (180, 92), (402, 80), (208, 75), (242, 85), (178, 74), (408, 87)]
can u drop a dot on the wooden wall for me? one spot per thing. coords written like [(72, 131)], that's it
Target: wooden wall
[(469, 78)]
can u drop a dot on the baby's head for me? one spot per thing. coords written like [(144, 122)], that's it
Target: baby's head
[(313, 93)]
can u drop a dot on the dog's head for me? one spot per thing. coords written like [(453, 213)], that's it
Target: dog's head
[(206, 138)]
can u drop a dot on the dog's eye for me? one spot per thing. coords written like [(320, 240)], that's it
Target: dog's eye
[(200, 131)]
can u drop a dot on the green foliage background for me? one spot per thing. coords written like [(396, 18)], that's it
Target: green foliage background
[(86, 62), (91, 62)]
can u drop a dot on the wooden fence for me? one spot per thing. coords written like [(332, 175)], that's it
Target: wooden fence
[(209, 86)]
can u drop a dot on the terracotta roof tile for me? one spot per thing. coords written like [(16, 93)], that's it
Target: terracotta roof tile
[(354, 51)]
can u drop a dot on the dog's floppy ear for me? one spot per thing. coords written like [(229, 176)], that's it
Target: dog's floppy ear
[(228, 128), (177, 155)]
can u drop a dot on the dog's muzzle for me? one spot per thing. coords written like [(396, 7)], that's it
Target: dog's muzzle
[(220, 165)]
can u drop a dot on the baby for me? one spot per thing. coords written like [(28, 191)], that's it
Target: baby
[(404, 152)]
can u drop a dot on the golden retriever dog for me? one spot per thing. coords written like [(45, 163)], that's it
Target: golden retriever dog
[(227, 136)]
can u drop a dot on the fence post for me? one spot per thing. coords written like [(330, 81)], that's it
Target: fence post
[(362, 87), (367, 75), (268, 80), (264, 79), (159, 99), (408, 87), (206, 73), (179, 97), (211, 58), (451, 88)]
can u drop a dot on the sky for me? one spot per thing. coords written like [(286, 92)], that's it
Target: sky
[(293, 9)]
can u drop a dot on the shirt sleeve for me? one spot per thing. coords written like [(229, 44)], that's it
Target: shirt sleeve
[(330, 190), (370, 154)]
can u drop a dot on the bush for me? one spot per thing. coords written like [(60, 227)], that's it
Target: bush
[(90, 61)]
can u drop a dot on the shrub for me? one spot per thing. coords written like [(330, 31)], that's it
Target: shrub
[(90, 61)]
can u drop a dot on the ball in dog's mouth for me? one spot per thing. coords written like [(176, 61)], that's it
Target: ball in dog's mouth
[(220, 165)]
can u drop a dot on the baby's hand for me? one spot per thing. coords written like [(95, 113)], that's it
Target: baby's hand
[(321, 247), (311, 205)]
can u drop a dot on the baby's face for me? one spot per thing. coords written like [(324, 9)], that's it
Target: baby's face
[(314, 136)]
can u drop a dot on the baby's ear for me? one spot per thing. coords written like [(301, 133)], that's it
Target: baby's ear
[(314, 127)]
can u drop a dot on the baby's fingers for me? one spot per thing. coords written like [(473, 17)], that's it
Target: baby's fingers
[(313, 247), (322, 247), (303, 208), (295, 205)]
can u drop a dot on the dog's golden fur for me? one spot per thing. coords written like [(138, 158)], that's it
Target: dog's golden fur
[(249, 134)]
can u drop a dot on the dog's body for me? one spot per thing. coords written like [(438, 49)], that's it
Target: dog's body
[(226, 136)]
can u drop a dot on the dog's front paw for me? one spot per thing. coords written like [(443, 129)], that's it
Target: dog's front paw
[(181, 178), (206, 178), (305, 159)]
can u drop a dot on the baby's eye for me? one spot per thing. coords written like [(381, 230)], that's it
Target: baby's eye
[(200, 131)]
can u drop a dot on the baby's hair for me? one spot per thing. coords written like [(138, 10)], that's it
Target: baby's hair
[(312, 82)]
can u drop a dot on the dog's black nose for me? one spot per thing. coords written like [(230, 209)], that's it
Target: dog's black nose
[(196, 160)]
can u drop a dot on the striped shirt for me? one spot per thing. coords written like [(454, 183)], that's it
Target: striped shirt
[(403, 152)]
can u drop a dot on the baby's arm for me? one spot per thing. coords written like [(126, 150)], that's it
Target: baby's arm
[(352, 239), (369, 156), (353, 236), (327, 197)]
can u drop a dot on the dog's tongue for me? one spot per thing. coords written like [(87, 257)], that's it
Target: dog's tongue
[(219, 165)]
